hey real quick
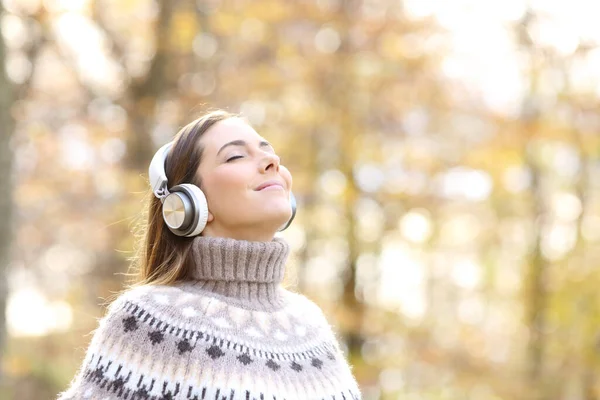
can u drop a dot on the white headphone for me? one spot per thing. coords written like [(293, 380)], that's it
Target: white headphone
[(184, 206)]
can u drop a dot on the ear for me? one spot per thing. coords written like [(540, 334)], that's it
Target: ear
[(211, 217)]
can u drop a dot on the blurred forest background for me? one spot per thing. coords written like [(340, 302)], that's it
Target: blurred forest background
[(445, 156)]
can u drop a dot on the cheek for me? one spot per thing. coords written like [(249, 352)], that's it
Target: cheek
[(287, 175), (225, 187)]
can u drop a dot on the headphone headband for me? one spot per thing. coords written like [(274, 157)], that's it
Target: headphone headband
[(156, 172)]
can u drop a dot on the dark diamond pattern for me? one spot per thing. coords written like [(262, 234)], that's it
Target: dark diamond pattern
[(156, 337), (244, 359), (273, 365), (316, 363), (130, 324), (296, 367), (214, 352), (98, 373), (184, 346), (118, 383), (330, 355), (141, 394)]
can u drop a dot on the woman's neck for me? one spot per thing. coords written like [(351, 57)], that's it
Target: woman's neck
[(251, 234), (242, 270)]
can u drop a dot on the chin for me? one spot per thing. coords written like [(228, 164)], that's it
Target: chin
[(276, 211), (279, 217)]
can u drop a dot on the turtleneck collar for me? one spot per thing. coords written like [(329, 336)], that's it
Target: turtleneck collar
[(248, 272)]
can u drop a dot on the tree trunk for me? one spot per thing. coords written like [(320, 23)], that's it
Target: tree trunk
[(143, 96), (6, 206), (536, 293), (350, 127)]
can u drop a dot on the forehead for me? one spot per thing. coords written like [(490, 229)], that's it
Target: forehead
[(226, 131)]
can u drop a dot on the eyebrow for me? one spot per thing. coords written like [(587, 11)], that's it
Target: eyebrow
[(242, 143)]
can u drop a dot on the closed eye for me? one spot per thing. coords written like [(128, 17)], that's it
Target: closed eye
[(234, 158)]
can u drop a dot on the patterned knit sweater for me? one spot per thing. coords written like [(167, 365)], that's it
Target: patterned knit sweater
[(230, 332)]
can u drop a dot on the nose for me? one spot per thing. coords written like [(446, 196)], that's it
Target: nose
[(270, 161)]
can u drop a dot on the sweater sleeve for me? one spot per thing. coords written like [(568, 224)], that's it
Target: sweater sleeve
[(103, 337), (332, 333)]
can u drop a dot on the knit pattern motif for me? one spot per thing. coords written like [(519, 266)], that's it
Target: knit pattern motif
[(191, 340)]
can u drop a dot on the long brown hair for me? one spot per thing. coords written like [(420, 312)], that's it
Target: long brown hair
[(160, 257)]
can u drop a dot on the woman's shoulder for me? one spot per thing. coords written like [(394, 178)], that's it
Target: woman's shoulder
[(303, 307), (143, 294)]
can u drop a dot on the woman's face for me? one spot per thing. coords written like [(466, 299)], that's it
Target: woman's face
[(236, 161)]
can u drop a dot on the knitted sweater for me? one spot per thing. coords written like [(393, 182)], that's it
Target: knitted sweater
[(230, 332)]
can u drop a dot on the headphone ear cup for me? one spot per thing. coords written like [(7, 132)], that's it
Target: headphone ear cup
[(187, 213), (177, 212), (293, 205)]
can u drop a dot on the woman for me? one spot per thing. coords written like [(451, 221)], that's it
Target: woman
[(208, 318)]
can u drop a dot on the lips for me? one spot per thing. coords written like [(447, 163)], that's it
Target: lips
[(269, 183)]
